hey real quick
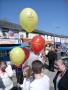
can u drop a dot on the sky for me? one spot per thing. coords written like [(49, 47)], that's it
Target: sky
[(52, 14)]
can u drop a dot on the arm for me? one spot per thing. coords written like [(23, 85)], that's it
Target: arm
[(9, 71)]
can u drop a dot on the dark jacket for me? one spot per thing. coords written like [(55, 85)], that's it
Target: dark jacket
[(63, 83), (52, 55)]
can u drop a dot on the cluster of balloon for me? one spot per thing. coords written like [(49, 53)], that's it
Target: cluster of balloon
[(28, 19), (37, 43), (26, 54), (17, 56)]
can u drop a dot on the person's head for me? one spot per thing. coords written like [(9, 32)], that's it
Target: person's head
[(3, 66), (53, 49), (26, 71), (59, 65), (37, 67)]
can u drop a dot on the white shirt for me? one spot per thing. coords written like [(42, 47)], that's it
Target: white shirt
[(34, 57), (31, 58), (9, 70), (8, 83), (25, 85), (41, 84), (58, 79)]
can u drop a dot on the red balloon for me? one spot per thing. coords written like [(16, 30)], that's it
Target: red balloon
[(37, 44), (26, 54)]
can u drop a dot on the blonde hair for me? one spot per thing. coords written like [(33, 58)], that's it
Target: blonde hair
[(28, 71), (60, 61)]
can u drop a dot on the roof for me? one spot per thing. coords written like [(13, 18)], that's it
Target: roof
[(17, 27)]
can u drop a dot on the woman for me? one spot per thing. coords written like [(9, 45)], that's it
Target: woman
[(61, 78), (6, 75), (27, 78)]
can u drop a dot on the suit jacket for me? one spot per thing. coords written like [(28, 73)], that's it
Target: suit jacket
[(63, 83), (52, 56)]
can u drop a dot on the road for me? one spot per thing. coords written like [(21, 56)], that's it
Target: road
[(51, 76)]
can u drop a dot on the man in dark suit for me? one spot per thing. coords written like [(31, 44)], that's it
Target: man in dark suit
[(52, 56)]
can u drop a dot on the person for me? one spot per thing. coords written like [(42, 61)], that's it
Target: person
[(40, 56), (5, 75), (27, 78), (41, 81), (19, 74), (61, 79), (2, 87), (31, 58), (52, 56)]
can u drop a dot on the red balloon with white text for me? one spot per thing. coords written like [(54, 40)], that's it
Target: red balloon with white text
[(37, 44)]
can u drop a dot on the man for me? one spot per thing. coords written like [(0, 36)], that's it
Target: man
[(52, 56), (41, 81)]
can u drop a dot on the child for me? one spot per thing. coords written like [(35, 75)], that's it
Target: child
[(41, 81), (27, 78)]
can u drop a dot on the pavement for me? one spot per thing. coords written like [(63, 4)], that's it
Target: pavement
[(50, 74)]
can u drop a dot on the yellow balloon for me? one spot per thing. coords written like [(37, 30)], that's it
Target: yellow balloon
[(28, 19), (17, 56)]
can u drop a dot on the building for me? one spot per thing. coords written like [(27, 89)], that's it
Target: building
[(6, 26), (11, 33)]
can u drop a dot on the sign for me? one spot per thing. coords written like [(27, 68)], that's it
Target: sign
[(9, 41)]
